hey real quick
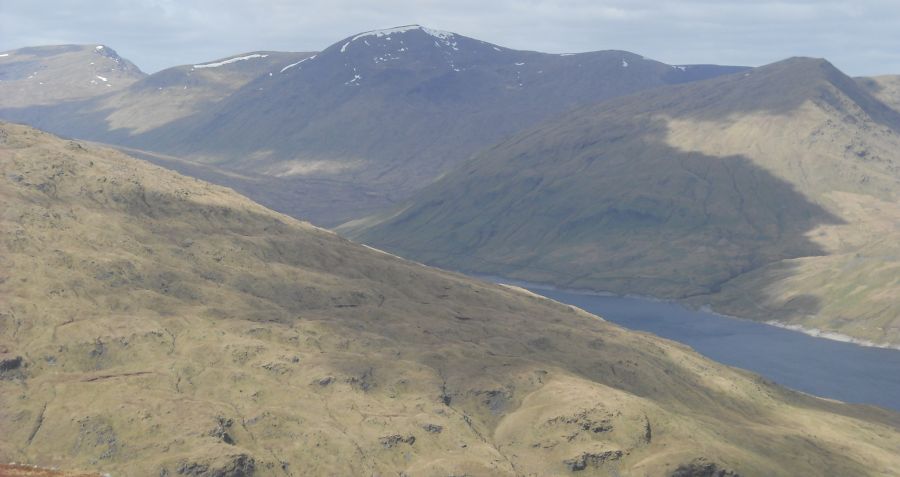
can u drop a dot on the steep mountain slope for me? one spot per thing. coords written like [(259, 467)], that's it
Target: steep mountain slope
[(152, 324), (771, 194), (387, 111), (47, 75), (886, 88)]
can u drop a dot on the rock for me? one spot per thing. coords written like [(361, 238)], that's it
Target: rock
[(433, 428), (11, 368), (496, 400), (588, 459), (364, 382), (192, 468), (648, 431), (391, 441), (240, 465), (223, 425), (701, 467), (585, 422)]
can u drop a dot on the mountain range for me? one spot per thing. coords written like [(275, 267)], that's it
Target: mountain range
[(366, 121), (155, 324), (770, 194)]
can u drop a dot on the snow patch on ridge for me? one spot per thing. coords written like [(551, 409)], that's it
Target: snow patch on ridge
[(444, 36), (297, 63), (229, 61)]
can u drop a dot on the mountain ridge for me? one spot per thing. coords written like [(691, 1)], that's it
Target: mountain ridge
[(43, 75), (416, 103)]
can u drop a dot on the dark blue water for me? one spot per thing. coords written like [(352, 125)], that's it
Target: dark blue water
[(826, 368)]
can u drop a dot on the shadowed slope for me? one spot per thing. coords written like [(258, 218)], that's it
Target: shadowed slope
[(709, 190), (154, 324)]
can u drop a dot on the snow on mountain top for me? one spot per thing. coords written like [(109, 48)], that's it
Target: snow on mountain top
[(4, 54), (98, 47), (229, 61), (444, 36)]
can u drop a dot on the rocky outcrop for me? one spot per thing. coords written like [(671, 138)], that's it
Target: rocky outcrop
[(394, 440), (239, 465), (221, 431), (11, 367), (701, 467), (433, 428), (594, 460)]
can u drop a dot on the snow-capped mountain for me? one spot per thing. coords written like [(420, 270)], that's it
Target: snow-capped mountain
[(386, 111)]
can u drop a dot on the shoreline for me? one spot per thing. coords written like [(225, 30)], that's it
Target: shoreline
[(814, 332)]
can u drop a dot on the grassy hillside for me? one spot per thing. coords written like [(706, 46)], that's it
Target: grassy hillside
[(770, 194), (152, 324)]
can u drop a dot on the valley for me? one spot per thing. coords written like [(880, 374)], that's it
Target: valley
[(285, 263), (769, 195), (184, 329)]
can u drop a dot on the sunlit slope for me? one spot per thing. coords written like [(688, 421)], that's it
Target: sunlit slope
[(48, 75), (771, 194), (886, 88), (154, 324)]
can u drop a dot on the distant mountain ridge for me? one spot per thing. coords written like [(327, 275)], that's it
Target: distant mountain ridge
[(770, 194), (45, 75), (415, 101)]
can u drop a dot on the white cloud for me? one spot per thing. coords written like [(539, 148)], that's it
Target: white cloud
[(859, 37)]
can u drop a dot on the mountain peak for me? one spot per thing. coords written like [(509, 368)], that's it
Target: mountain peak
[(817, 79), (440, 36)]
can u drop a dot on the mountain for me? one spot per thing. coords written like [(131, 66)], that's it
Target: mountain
[(45, 75), (385, 111), (769, 194), (154, 100), (154, 324)]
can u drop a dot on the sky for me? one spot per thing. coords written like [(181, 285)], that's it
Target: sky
[(861, 37)]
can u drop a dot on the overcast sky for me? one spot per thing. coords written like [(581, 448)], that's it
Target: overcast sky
[(862, 37)]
